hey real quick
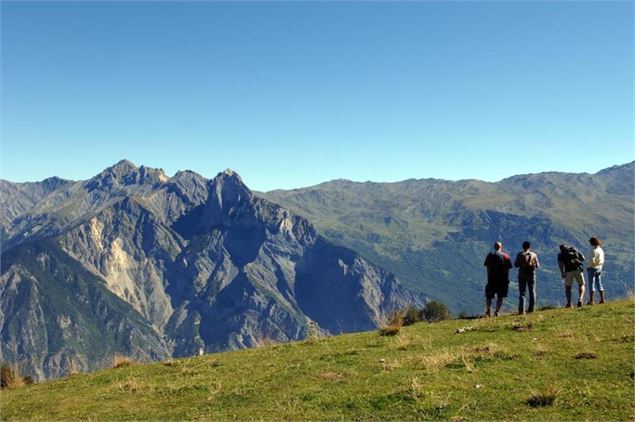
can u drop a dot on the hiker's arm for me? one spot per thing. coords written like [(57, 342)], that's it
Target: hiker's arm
[(561, 266)]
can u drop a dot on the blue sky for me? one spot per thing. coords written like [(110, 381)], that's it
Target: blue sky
[(291, 94)]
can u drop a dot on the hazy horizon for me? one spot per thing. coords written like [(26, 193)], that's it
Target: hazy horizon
[(214, 173)]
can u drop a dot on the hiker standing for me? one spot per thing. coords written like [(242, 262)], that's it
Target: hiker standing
[(594, 269), (498, 265), (570, 263), (526, 262)]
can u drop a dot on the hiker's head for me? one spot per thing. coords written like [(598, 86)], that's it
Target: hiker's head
[(594, 241), (498, 246), (526, 245), (563, 248)]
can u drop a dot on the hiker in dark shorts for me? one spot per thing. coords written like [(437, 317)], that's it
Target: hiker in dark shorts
[(498, 265), (526, 262)]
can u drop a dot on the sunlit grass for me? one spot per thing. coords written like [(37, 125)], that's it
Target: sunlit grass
[(562, 364)]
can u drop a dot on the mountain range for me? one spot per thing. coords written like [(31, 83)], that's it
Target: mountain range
[(136, 263), (434, 234)]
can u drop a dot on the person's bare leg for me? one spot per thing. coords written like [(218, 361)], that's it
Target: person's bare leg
[(581, 295)]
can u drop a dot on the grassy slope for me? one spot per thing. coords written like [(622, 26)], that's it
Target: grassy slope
[(426, 372)]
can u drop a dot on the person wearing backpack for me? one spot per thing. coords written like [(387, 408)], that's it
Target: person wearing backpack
[(498, 265), (570, 264), (526, 262), (594, 269)]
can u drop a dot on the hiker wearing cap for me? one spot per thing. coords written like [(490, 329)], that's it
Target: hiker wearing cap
[(594, 269), (526, 262), (498, 265), (570, 264)]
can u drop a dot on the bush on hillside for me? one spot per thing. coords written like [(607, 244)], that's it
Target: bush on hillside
[(10, 376), (389, 330), (435, 311), (121, 361), (411, 316), (395, 322)]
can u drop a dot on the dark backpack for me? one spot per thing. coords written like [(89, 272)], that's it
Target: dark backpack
[(527, 265), (572, 258)]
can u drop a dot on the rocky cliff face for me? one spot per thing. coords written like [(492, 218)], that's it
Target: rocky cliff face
[(136, 263)]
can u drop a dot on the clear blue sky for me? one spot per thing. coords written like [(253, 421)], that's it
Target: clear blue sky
[(291, 94)]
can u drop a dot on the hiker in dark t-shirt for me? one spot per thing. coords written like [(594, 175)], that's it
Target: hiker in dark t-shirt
[(526, 262), (498, 265)]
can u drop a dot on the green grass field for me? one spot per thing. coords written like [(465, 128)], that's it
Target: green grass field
[(570, 364)]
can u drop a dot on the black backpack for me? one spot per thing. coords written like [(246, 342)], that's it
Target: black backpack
[(572, 258)]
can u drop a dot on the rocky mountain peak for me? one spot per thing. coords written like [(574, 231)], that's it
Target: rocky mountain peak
[(228, 199), (187, 176), (125, 173), (227, 190), (52, 183)]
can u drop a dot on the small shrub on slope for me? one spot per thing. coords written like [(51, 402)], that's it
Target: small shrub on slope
[(435, 311), (120, 361), (10, 376)]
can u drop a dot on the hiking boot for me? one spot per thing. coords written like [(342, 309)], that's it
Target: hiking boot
[(568, 305), (579, 303), (497, 313), (590, 302), (488, 313), (601, 301)]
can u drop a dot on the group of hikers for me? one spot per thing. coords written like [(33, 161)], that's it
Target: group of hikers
[(570, 263)]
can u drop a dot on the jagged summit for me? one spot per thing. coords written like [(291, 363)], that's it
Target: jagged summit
[(229, 174), (229, 187), (184, 175), (125, 173), (124, 163)]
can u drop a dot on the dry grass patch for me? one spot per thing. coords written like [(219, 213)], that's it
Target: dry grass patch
[(121, 361), (391, 366), (545, 397), (487, 349), (393, 325), (541, 351), (436, 361), (389, 330), (568, 334), (10, 376), (522, 327), (586, 355), (415, 390), (330, 376), (402, 342), (487, 325), (130, 385)]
